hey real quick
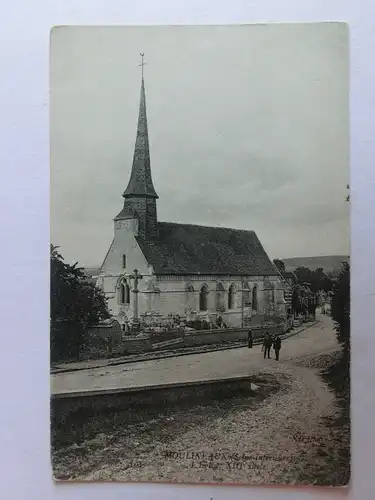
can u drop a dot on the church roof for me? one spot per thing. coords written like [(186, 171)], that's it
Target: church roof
[(192, 249), (140, 183)]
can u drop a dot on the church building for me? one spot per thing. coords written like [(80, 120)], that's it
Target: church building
[(155, 270)]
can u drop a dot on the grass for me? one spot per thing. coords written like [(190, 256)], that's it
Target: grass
[(333, 466)]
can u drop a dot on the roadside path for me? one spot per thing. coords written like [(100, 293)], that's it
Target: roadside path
[(286, 429), (282, 438), (159, 354), (197, 367)]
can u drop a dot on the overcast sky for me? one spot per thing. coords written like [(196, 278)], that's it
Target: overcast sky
[(248, 128)]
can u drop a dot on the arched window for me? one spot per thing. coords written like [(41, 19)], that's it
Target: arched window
[(203, 296), (124, 292), (127, 293), (246, 294), (231, 295), (220, 297), (255, 298)]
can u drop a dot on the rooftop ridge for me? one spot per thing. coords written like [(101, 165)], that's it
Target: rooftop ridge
[(209, 227)]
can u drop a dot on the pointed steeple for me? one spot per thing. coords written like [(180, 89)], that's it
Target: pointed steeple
[(140, 195), (140, 183)]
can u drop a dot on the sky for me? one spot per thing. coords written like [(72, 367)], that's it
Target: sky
[(248, 128)]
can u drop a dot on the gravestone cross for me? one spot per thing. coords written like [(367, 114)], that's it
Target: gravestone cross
[(136, 276)]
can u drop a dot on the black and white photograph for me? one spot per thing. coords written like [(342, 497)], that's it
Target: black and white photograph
[(200, 254)]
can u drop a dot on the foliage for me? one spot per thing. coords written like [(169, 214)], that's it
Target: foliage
[(296, 300), (340, 307), (338, 374), (318, 279), (304, 301), (76, 304)]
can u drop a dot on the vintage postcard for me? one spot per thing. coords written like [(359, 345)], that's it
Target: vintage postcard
[(200, 270)]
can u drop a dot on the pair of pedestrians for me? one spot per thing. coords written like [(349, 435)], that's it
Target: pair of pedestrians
[(268, 342)]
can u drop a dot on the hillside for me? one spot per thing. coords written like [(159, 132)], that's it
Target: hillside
[(92, 271), (329, 263)]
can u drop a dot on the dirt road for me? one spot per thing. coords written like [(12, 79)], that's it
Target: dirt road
[(278, 435)]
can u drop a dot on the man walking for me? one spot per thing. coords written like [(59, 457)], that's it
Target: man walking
[(250, 339), (277, 346), (267, 344)]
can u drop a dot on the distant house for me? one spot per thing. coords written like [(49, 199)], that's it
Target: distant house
[(290, 280)]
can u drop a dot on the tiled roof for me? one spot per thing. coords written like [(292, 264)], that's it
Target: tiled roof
[(191, 249)]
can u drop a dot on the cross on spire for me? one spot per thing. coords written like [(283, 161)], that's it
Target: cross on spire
[(142, 62), (140, 195)]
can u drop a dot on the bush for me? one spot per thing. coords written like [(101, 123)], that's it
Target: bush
[(340, 311), (76, 305), (340, 307)]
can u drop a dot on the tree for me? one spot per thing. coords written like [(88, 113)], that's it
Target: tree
[(318, 279), (76, 305), (340, 306), (296, 301), (280, 265), (338, 374)]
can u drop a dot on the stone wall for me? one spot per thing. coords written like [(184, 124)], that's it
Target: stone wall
[(103, 341), (112, 270), (75, 419), (168, 340), (228, 335), (179, 295)]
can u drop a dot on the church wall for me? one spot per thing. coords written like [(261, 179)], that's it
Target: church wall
[(167, 295), (162, 296), (174, 299), (124, 243)]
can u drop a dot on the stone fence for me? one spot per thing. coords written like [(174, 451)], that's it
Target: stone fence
[(103, 344)]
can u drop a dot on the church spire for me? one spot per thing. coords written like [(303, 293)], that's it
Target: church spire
[(140, 195), (140, 183)]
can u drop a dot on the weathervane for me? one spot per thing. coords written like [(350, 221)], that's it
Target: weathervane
[(142, 62)]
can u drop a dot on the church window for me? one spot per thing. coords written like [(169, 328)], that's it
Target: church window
[(273, 295), (203, 298), (255, 298), (124, 293), (246, 294), (220, 297), (123, 260), (231, 295)]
